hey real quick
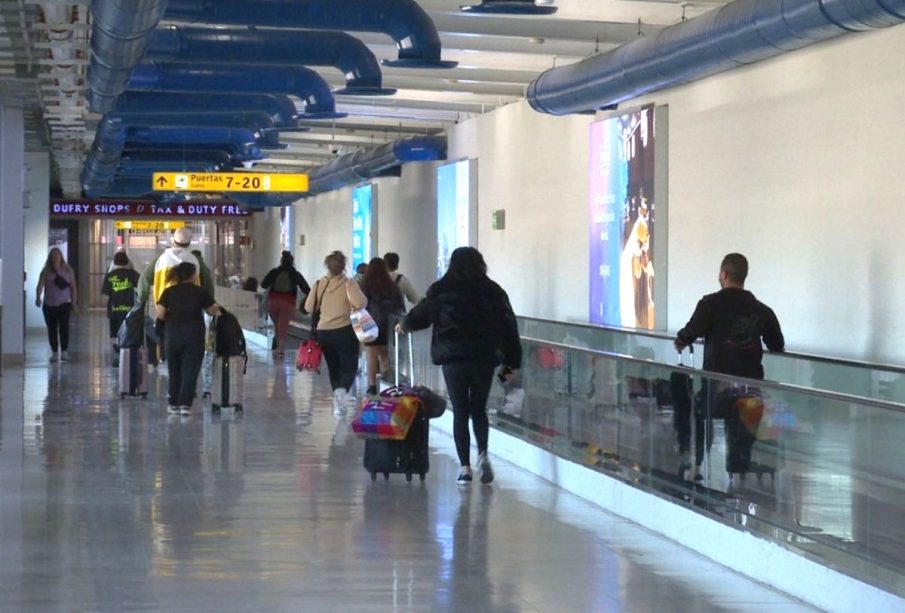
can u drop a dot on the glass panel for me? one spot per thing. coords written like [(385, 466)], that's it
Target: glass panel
[(815, 472), (855, 378)]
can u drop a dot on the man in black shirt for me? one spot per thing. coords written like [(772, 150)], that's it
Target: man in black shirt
[(119, 288), (734, 325)]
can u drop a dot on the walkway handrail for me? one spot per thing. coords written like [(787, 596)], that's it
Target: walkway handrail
[(732, 379), (669, 337)]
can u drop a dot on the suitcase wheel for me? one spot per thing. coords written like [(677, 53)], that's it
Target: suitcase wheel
[(386, 476), (215, 407), (238, 408), (144, 395), (122, 395), (408, 477), (422, 476), (374, 476)]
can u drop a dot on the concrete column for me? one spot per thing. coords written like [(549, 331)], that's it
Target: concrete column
[(265, 236), (37, 224), (12, 232)]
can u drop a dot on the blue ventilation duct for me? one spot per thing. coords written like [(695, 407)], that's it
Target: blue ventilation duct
[(369, 163), (220, 79), (281, 109), (404, 21), (242, 145), (743, 32), (119, 37), (273, 47)]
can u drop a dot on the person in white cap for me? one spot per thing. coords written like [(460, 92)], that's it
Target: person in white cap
[(154, 279), (157, 278)]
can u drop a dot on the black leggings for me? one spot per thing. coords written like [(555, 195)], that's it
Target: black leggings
[(468, 386), (57, 320), (340, 349)]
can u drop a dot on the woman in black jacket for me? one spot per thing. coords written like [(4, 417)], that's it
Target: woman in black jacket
[(284, 281), (474, 331)]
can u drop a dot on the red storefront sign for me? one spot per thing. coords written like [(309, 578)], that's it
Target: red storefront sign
[(145, 208)]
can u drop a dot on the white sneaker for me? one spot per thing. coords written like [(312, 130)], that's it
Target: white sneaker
[(173, 409), (339, 401), (64, 356), (485, 467), (464, 477), (54, 357)]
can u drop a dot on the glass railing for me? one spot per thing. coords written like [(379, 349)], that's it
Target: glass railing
[(877, 381), (818, 472)]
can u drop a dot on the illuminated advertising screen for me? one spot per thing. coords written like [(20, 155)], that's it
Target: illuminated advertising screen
[(361, 225), (454, 195), (622, 220)]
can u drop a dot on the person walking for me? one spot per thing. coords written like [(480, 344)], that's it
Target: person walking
[(181, 306), (119, 288), (283, 284), (57, 285), (330, 302), (405, 284), (735, 326), (384, 301), (473, 324)]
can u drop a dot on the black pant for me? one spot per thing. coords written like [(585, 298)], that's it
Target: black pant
[(185, 353), (468, 386), (340, 349), (57, 320)]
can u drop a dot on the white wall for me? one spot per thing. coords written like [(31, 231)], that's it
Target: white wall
[(326, 222), (37, 222), (407, 221), (797, 162)]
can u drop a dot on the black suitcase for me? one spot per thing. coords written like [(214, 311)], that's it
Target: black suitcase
[(408, 456)]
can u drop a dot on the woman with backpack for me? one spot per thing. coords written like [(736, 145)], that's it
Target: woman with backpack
[(57, 283), (330, 303), (283, 283), (384, 301), (181, 306)]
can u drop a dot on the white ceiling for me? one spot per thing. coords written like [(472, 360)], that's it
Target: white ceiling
[(498, 57)]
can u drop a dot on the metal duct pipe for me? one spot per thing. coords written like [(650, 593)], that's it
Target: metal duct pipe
[(743, 32), (256, 122), (280, 109), (273, 47), (404, 21), (368, 163), (219, 79), (242, 145), (119, 37)]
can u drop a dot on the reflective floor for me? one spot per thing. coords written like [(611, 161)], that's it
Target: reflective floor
[(109, 505)]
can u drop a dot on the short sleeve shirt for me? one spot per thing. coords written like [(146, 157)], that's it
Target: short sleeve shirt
[(119, 286), (185, 304)]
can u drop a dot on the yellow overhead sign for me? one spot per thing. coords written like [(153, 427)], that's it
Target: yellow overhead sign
[(229, 182), (149, 225)]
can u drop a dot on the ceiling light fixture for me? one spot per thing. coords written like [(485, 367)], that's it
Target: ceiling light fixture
[(508, 7)]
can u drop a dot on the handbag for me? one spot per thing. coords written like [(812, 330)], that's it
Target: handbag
[(364, 325), (386, 418), (433, 404), (310, 351)]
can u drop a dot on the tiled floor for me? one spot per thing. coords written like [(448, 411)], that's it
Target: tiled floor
[(109, 505)]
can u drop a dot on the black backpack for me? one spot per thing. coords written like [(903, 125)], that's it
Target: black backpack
[(229, 340)]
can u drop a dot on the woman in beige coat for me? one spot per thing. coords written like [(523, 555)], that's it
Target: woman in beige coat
[(330, 302)]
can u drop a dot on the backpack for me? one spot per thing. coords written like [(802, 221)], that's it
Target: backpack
[(229, 339), (282, 283)]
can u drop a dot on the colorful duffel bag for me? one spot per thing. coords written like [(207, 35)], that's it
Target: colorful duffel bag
[(386, 418)]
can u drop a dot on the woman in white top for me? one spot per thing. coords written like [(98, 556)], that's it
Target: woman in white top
[(330, 302)]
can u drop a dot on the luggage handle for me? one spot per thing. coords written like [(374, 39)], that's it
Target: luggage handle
[(690, 354), (411, 355)]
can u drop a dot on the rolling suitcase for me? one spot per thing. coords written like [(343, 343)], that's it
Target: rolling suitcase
[(133, 372), (228, 385), (409, 456)]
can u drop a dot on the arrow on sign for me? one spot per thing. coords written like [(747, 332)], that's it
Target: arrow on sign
[(161, 181)]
